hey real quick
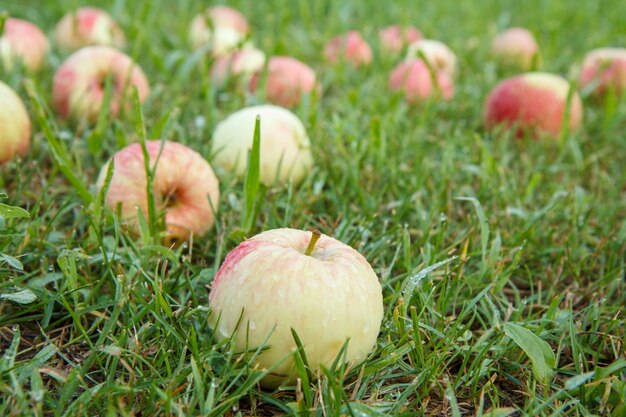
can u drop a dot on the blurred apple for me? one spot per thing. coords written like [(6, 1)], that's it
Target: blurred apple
[(413, 77), (287, 80), (23, 41), (79, 83), (604, 69), (15, 128), (88, 26), (243, 64), (437, 53), (393, 39), (287, 279), (223, 27), (350, 48), (516, 48), (534, 103), (185, 187)]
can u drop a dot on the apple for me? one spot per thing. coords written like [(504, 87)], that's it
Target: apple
[(23, 41), (604, 69), (15, 127), (287, 279), (185, 187), (437, 53), (393, 39), (223, 27), (285, 148), (243, 63), (79, 83), (515, 48), (413, 77), (533, 102), (287, 80), (351, 48), (88, 26)]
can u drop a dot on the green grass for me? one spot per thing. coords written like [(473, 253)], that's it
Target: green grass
[(502, 261)]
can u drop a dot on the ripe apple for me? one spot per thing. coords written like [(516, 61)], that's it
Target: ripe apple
[(23, 41), (243, 64), (534, 102), (285, 147), (604, 69), (185, 187), (221, 26), (287, 80), (351, 48), (413, 77), (515, 48), (394, 38), (88, 26), (79, 83), (287, 279), (437, 53), (15, 128)]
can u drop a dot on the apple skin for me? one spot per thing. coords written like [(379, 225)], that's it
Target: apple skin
[(288, 79), (351, 48), (327, 297), (23, 41), (88, 26), (78, 85), (437, 53), (221, 26), (413, 77), (182, 174), (393, 39), (515, 48), (15, 127), (243, 63), (606, 67), (285, 146), (533, 102)]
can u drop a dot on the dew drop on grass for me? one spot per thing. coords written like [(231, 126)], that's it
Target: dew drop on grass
[(252, 325), (200, 122)]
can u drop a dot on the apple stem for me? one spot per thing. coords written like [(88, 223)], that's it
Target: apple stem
[(315, 235)]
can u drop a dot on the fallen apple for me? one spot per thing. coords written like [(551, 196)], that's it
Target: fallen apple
[(79, 83), (414, 78), (88, 26), (515, 48), (393, 39), (533, 103), (15, 127), (185, 187), (437, 53), (222, 27), (287, 279), (285, 148), (243, 64), (350, 48), (604, 69), (23, 41), (286, 81)]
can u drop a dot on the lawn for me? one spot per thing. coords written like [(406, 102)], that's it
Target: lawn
[(502, 260)]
